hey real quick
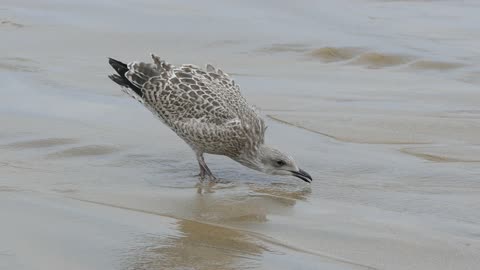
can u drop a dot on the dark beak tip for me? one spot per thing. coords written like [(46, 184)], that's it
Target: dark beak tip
[(303, 175)]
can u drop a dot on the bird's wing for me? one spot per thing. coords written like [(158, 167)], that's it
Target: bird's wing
[(196, 102), (225, 91), (178, 94), (220, 83)]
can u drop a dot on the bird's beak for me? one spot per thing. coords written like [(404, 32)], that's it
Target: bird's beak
[(302, 175)]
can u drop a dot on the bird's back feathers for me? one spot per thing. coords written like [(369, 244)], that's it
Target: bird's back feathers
[(204, 107)]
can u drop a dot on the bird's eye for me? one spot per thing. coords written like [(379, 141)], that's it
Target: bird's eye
[(280, 163)]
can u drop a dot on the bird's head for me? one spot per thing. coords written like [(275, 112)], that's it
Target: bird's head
[(272, 161)]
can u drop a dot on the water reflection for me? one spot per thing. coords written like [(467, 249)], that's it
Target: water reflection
[(247, 204), (211, 228), (200, 246)]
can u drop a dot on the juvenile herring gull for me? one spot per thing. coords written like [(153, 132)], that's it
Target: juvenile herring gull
[(206, 109)]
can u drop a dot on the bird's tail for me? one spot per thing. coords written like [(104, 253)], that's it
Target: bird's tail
[(120, 79)]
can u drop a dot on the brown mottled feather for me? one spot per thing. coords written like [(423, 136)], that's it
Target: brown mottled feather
[(203, 106)]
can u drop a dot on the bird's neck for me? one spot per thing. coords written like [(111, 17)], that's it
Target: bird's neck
[(251, 158)]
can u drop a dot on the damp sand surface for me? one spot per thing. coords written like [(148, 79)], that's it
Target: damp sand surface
[(385, 119)]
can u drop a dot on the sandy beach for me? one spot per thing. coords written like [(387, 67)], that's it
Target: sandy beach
[(378, 100)]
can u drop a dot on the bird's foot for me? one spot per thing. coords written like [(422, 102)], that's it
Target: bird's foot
[(210, 178), (206, 186), (200, 175)]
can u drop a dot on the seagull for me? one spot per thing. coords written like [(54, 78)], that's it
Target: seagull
[(205, 108)]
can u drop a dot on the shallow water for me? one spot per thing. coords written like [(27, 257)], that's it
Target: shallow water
[(377, 100)]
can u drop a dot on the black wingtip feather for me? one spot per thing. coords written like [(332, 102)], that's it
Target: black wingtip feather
[(119, 67), (120, 79), (117, 79)]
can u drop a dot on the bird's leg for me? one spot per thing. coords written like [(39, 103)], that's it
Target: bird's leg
[(204, 170)]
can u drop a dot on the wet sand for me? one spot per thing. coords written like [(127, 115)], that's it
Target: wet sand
[(379, 105)]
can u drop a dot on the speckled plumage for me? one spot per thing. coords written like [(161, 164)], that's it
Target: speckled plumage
[(206, 109), (203, 106)]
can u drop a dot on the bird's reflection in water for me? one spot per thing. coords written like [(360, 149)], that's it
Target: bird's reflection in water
[(213, 227), (251, 203), (283, 191), (199, 246)]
